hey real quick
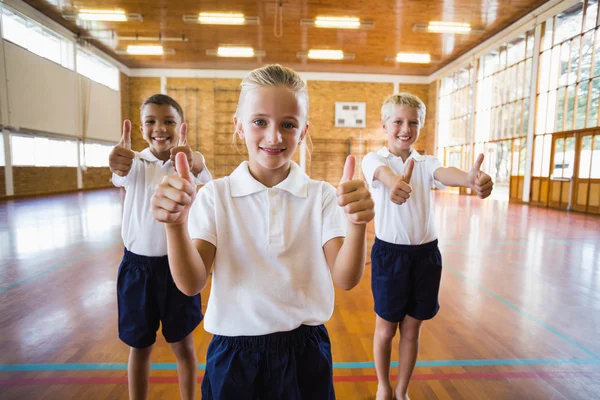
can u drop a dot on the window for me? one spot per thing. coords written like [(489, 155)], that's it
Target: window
[(502, 109), (96, 155), (97, 69), (43, 152), (37, 39), (2, 160), (564, 98)]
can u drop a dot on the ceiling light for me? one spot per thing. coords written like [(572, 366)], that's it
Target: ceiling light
[(233, 51), (325, 55), (101, 15), (150, 50), (420, 58), (221, 19), (337, 22), (448, 27)]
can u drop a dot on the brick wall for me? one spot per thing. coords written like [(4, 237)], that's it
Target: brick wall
[(424, 144), (96, 178), (139, 90), (209, 105), (331, 144), (44, 180)]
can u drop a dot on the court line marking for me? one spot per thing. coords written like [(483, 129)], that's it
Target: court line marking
[(524, 313), (97, 380), (336, 365), (55, 267)]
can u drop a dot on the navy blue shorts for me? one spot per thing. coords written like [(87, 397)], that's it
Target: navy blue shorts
[(285, 365), (405, 280), (147, 296)]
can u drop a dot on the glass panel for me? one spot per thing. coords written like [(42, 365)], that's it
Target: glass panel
[(565, 54), (509, 108), (522, 157), (96, 155), (537, 157), (554, 68), (21, 150), (596, 158), (515, 157), (568, 23), (590, 15), (519, 80), (597, 52), (525, 124), (560, 109), (541, 114), (585, 157), (517, 118), (545, 72), (546, 155), (570, 108), (530, 40), (574, 67), (559, 156), (14, 28), (499, 119), (582, 96), (548, 33), (2, 160), (586, 55), (594, 104), (528, 68), (569, 157), (550, 116)]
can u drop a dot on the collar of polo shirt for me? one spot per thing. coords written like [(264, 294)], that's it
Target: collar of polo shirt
[(242, 183)]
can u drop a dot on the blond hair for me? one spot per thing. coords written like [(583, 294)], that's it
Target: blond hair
[(406, 100), (273, 75)]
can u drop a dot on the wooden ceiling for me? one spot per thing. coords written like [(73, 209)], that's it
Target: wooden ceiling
[(392, 33)]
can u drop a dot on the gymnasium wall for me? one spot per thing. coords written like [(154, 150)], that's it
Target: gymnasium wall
[(30, 181), (209, 105), (47, 98)]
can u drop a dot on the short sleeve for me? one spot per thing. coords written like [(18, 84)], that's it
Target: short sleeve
[(370, 163), (434, 163), (333, 217), (204, 176), (202, 221), (124, 181)]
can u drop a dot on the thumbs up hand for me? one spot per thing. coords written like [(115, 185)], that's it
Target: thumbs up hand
[(174, 196), (354, 196), (183, 147), (480, 182), (121, 157), (400, 191)]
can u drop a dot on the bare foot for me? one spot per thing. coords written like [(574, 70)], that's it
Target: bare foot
[(384, 392), (398, 395)]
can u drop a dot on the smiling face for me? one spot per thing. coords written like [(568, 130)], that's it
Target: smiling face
[(402, 128), (160, 128), (272, 122)]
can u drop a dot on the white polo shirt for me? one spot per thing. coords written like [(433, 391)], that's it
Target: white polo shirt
[(412, 222), (270, 273), (141, 233)]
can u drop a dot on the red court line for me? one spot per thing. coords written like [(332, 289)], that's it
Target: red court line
[(345, 378)]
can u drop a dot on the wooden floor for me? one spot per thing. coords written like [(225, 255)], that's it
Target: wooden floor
[(519, 318)]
